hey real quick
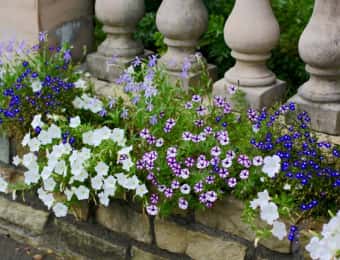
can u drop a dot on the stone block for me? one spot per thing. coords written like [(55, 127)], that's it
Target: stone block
[(325, 117), (178, 239), (226, 216), (194, 79), (171, 236), (4, 149), (64, 20), (139, 254), (202, 246), (122, 219), (257, 97), (26, 217), (87, 244)]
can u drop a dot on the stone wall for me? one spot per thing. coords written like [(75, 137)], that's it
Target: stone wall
[(123, 231)]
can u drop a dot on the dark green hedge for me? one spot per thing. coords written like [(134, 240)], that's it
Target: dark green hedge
[(293, 16)]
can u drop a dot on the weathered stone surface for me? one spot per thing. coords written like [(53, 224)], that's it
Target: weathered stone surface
[(202, 246), (123, 219), (170, 236), (4, 149), (87, 244), (175, 238), (257, 97), (226, 216), (31, 219), (138, 254), (64, 20), (325, 117)]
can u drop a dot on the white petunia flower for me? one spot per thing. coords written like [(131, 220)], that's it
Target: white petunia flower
[(141, 190), (130, 183), (82, 193), (34, 145), (16, 160), (26, 139), (279, 230), (49, 184), (118, 136), (110, 183), (97, 182), (46, 172), (44, 137), (80, 83), (46, 198), (69, 194), (127, 164), (3, 185), (31, 177), (54, 132), (75, 122), (269, 213), (102, 169), (262, 199), (37, 122), (36, 85), (104, 199), (272, 165), (60, 210)]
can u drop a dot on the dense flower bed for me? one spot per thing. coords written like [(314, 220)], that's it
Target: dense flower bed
[(170, 149)]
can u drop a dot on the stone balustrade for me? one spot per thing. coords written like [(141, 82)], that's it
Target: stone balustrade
[(251, 31)]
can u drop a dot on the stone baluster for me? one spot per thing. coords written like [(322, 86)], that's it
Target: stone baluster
[(182, 23), (252, 31), (319, 48), (120, 18)]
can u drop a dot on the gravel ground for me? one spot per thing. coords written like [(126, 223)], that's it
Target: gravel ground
[(12, 250)]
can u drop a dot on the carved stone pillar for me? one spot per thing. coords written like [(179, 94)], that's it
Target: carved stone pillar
[(319, 49), (120, 18), (182, 23), (252, 31)]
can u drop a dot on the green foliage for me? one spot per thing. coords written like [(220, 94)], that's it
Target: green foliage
[(293, 16)]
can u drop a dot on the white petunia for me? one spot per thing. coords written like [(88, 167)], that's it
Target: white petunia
[(104, 199), (261, 200), (118, 136), (60, 210), (272, 165), (46, 198), (279, 230), (28, 159), (82, 193), (75, 122), (26, 139), (49, 184), (269, 213), (60, 168), (16, 160), (36, 85), (97, 182), (82, 176), (37, 122), (110, 183), (130, 183), (69, 194), (102, 169), (44, 137), (80, 83), (141, 190), (54, 132), (34, 145), (3, 185), (127, 164), (31, 177)]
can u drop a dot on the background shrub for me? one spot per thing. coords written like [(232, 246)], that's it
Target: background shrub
[(293, 16)]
